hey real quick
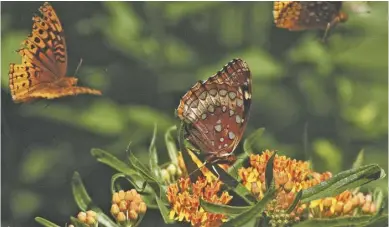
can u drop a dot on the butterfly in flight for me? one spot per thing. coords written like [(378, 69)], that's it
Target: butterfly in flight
[(215, 112), (304, 15), (44, 63)]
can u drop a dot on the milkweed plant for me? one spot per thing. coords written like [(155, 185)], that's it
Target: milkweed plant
[(261, 188)]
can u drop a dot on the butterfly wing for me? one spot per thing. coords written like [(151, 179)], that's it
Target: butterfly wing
[(301, 15), (216, 111), (47, 91)]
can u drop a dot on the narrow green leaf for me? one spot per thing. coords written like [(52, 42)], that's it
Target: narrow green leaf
[(233, 184), (223, 209), (79, 192), (295, 202), (378, 197), (117, 176), (164, 211), (251, 140), (110, 160), (342, 181), (154, 156), (141, 168), (269, 170), (333, 222), (85, 203), (255, 211), (359, 160), (171, 145), (45, 222), (377, 221)]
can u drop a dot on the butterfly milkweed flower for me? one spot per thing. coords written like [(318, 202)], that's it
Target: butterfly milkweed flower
[(184, 198), (291, 176)]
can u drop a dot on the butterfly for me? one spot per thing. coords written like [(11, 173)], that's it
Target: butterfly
[(303, 15), (215, 112), (44, 62)]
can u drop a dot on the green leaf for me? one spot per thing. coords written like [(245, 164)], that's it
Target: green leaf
[(79, 192), (295, 202), (255, 211), (381, 220), (342, 181), (141, 168), (110, 160), (153, 156), (85, 203), (115, 177), (223, 209), (251, 140), (164, 211), (332, 222), (171, 145), (269, 170), (45, 222), (358, 162)]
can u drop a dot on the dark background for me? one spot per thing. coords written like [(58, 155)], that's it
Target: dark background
[(145, 55)]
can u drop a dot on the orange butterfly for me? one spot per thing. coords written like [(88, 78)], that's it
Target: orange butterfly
[(302, 15), (44, 63)]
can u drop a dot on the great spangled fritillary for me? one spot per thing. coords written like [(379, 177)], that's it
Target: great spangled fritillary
[(215, 112), (44, 63), (301, 15)]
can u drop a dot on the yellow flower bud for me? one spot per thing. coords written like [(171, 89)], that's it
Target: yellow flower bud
[(347, 207), (172, 169), (90, 220), (142, 208), (327, 202), (366, 207), (134, 206), (339, 207), (81, 216), (121, 217), (133, 215), (115, 209), (115, 198), (91, 213), (121, 194), (165, 175), (123, 205)]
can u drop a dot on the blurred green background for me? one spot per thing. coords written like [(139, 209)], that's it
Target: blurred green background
[(145, 55)]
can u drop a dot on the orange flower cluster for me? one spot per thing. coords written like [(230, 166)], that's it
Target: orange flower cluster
[(291, 176), (127, 206), (344, 204), (184, 198)]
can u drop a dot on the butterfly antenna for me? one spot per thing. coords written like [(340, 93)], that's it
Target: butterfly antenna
[(78, 67)]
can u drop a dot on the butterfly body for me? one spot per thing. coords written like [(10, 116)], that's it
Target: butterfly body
[(216, 111), (302, 15), (42, 73)]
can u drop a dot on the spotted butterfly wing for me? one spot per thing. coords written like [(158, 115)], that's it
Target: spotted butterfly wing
[(216, 111), (302, 15), (44, 63)]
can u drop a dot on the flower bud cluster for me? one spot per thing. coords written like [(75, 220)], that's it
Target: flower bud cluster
[(127, 205)]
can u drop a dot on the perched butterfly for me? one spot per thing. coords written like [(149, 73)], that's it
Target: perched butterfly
[(44, 63), (215, 112), (302, 15)]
